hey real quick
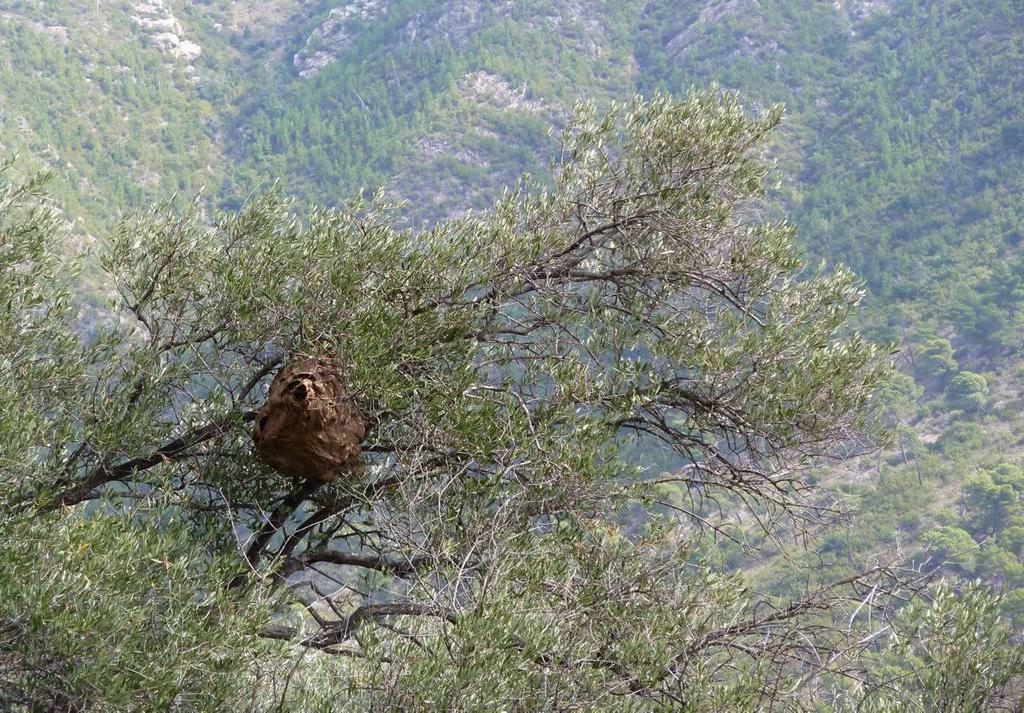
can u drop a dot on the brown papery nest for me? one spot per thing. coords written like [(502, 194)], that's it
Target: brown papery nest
[(309, 427)]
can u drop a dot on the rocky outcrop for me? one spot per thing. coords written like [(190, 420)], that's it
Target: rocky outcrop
[(58, 32), (497, 92), (334, 35), (456, 21), (858, 10), (155, 20), (711, 13)]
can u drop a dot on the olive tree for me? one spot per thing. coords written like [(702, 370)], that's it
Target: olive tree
[(952, 653), (556, 392)]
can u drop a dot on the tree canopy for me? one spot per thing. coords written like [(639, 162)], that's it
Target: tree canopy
[(561, 394)]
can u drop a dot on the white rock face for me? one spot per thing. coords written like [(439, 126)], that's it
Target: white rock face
[(334, 35), (154, 19), (498, 92), (710, 13), (57, 32), (863, 9), (455, 21)]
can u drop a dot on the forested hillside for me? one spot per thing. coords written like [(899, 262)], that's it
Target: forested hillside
[(901, 155)]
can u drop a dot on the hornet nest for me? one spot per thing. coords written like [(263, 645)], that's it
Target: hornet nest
[(309, 427)]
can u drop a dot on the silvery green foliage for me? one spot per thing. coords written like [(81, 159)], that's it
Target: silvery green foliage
[(106, 608), (537, 379), (952, 653)]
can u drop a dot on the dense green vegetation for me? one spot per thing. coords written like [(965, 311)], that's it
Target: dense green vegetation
[(107, 115), (901, 154), (364, 119), (506, 367), (903, 131)]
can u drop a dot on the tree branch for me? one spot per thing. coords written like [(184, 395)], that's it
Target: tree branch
[(339, 632), (397, 567), (171, 451)]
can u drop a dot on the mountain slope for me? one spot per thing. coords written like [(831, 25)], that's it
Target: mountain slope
[(902, 154)]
